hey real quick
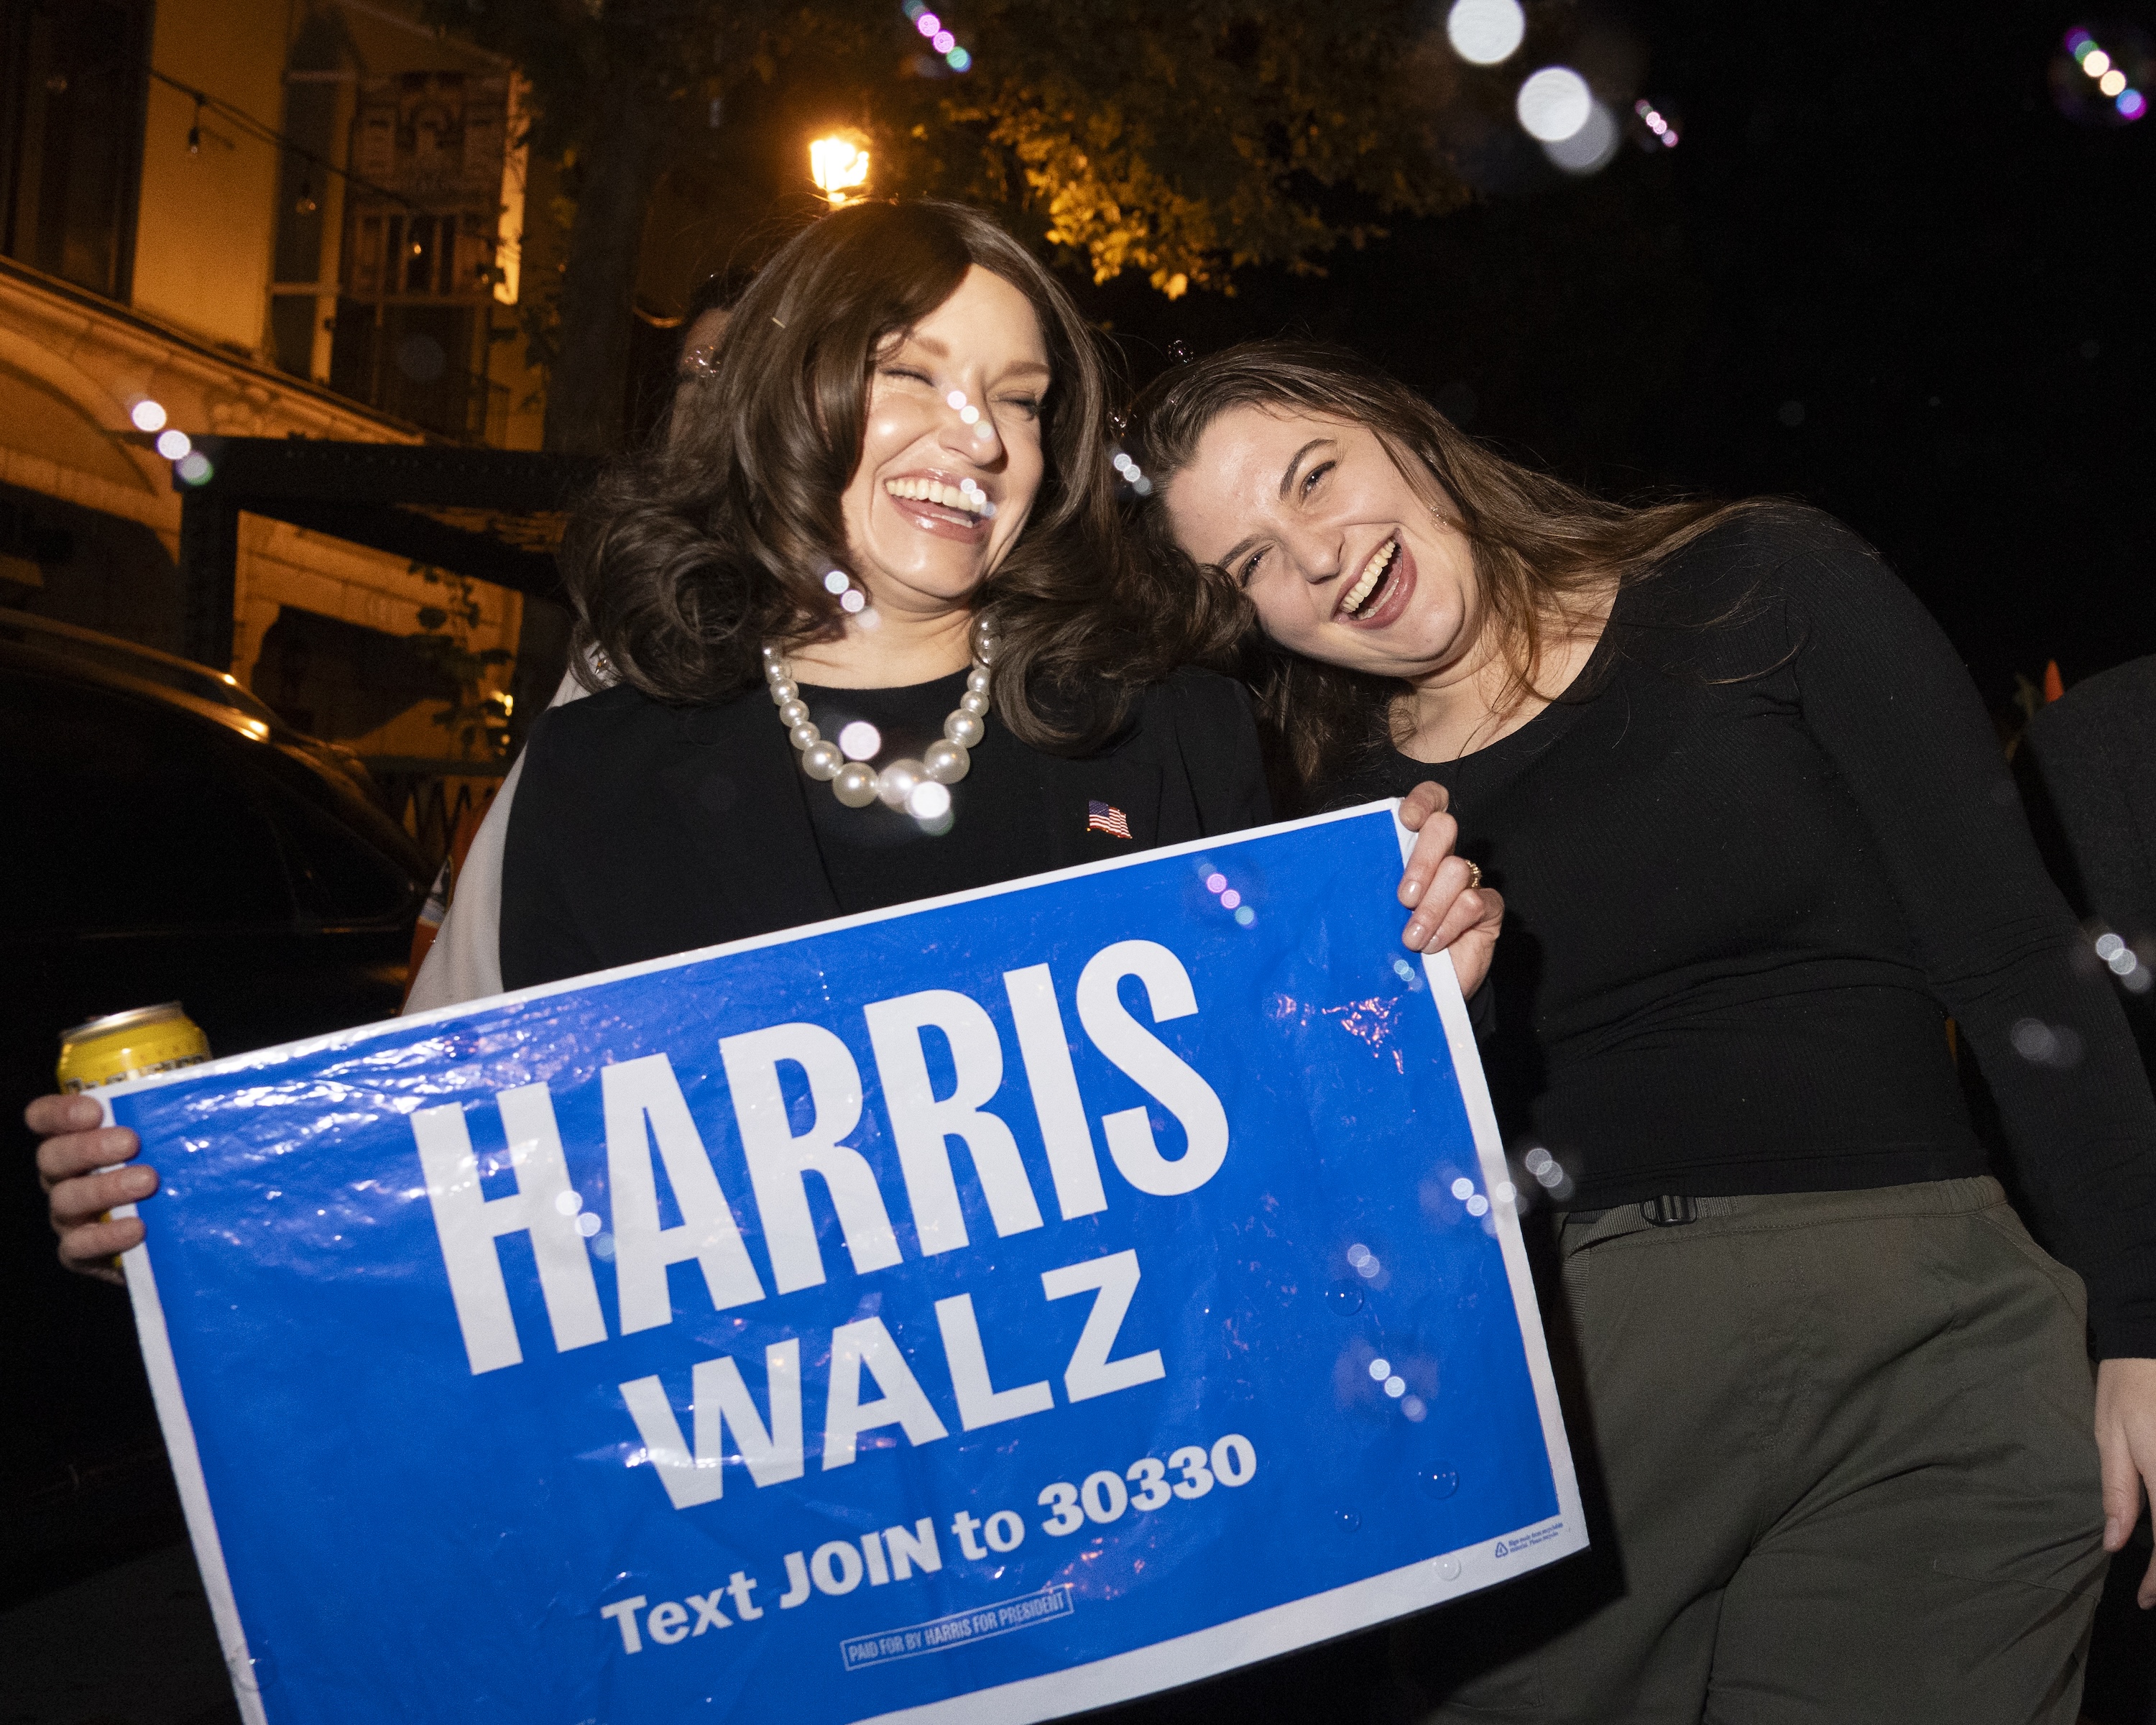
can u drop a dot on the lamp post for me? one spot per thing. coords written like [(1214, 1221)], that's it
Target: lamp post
[(840, 166)]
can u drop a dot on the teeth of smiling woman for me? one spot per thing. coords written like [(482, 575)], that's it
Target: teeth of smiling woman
[(1373, 571), (972, 501)]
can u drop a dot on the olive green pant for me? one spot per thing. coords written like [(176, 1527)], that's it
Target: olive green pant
[(1841, 1459)]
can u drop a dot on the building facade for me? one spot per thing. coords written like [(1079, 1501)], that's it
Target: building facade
[(262, 219)]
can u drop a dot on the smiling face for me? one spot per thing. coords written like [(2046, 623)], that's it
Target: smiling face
[(937, 502), (1342, 558)]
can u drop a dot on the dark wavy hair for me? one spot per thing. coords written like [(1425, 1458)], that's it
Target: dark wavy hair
[(1544, 551), (691, 555)]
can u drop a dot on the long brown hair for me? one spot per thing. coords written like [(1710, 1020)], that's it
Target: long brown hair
[(693, 553), (1544, 551)]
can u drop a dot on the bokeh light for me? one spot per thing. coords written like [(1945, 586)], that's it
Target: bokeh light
[(1590, 149), (148, 415), (1554, 103), (173, 443), (1661, 131), (194, 468), (940, 37), (2101, 77), (860, 740), (1484, 33)]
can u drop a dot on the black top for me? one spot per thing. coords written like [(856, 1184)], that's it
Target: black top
[(640, 830), (1751, 861), (877, 856)]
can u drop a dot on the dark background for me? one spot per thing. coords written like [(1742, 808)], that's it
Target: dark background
[(1875, 212)]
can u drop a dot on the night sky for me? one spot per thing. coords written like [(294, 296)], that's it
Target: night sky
[(1877, 224)]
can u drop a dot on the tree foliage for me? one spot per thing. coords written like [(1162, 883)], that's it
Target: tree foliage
[(1185, 142)]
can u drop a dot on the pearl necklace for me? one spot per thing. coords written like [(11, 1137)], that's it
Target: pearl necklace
[(857, 784)]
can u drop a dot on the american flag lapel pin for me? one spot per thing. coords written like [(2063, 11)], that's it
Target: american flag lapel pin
[(1106, 818)]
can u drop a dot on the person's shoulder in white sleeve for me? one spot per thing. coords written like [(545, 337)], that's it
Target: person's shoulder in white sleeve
[(464, 962)]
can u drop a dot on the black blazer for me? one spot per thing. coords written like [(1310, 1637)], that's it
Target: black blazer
[(2087, 770), (640, 829), (2088, 762)]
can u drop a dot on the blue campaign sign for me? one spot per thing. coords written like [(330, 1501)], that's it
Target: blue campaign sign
[(985, 1310)]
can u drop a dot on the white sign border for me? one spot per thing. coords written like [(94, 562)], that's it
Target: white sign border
[(1261, 1636)]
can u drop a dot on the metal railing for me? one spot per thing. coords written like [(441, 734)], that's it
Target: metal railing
[(430, 798)]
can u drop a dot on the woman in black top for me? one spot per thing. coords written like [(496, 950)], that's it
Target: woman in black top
[(1757, 843)]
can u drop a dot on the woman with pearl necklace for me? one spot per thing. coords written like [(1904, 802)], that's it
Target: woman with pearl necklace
[(871, 633)]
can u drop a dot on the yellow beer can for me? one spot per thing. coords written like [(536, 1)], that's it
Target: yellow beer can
[(129, 1045)]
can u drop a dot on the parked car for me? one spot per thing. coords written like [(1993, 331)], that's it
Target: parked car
[(158, 845), (131, 658)]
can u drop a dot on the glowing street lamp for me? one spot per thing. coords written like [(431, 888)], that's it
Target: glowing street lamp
[(840, 166)]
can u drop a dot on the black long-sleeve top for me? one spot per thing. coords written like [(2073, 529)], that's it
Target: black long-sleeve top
[(1751, 861)]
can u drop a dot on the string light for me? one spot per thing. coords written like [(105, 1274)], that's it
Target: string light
[(249, 126)]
